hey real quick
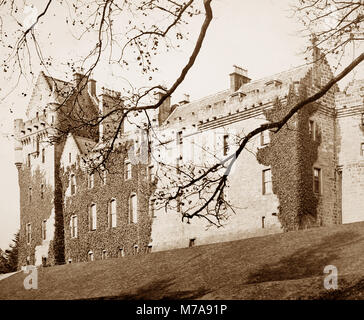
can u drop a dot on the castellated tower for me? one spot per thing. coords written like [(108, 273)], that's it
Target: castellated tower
[(37, 157)]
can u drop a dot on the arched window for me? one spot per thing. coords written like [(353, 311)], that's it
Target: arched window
[(133, 208), (112, 213), (91, 256)]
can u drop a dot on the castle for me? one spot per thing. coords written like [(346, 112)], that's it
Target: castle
[(309, 174)]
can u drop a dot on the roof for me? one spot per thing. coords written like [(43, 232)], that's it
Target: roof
[(256, 92), (85, 145)]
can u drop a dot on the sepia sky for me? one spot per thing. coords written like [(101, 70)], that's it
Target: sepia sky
[(256, 35)]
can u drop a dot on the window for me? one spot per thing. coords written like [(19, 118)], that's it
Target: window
[(28, 232), (30, 193), (150, 173), (70, 157), (127, 170), (43, 155), (225, 144), (267, 181), (136, 249), (317, 180), (74, 226), (44, 229), (93, 217), (91, 179), (362, 119), (28, 160), (362, 149), (179, 144), (152, 208), (104, 255), (112, 213), (264, 138), (313, 129), (73, 184), (42, 191), (263, 218), (121, 253), (91, 256), (133, 209), (149, 248)]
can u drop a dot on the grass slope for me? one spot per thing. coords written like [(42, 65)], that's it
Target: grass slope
[(281, 266)]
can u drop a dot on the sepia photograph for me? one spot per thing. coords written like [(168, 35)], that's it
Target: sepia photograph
[(181, 157)]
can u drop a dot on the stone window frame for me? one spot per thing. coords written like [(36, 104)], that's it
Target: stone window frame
[(73, 179), (92, 219), (317, 180), (267, 190), (128, 174), (74, 226), (91, 181), (264, 138), (44, 229), (28, 232), (104, 254), (90, 256), (225, 142), (133, 214), (110, 214)]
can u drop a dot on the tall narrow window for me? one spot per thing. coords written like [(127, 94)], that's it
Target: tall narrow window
[(152, 208), (121, 253), (263, 218), (180, 145), (43, 155), (225, 144), (127, 166), (44, 229), (311, 128), (42, 191), (133, 209), (30, 194), (264, 138), (362, 149), (28, 231), (151, 173), (73, 184), (362, 119), (267, 181), (74, 226), (70, 157), (104, 255), (112, 213), (317, 180), (136, 249), (93, 217), (91, 179), (91, 256), (28, 160)]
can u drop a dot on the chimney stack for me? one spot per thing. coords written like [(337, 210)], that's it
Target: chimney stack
[(238, 77), (164, 109), (92, 87)]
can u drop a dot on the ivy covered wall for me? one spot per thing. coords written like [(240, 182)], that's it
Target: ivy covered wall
[(125, 235)]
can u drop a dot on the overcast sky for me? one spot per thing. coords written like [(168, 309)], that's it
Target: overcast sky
[(256, 35)]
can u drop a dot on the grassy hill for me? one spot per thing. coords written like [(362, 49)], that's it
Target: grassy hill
[(282, 266)]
